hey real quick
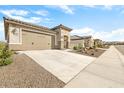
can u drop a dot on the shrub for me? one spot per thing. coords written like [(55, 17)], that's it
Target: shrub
[(80, 46), (94, 46), (99, 46), (2, 45), (75, 48), (5, 55)]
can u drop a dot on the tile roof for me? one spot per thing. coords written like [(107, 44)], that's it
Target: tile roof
[(61, 26), (80, 37), (25, 23)]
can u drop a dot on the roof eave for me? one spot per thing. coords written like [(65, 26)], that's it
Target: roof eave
[(62, 26), (26, 24)]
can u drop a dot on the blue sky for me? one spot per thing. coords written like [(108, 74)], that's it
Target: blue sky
[(104, 22)]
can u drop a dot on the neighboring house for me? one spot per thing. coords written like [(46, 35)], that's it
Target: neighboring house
[(26, 36), (76, 40), (98, 42), (88, 41), (85, 41), (113, 43)]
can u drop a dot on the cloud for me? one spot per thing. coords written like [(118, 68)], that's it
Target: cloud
[(19, 14), (24, 15), (64, 8), (114, 35), (119, 31), (103, 7), (41, 12), (1, 31), (14, 12), (29, 19), (1, 26), (89, 6), (83, 31), (107, 7)]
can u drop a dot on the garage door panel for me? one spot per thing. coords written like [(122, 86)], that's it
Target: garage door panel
[(36, 41), (45, 42)]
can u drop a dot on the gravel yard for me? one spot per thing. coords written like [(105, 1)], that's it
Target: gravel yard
[(91, 52), (120, 48), (24, 73)]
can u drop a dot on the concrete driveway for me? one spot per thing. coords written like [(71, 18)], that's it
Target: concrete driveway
[(62, 64), (107, 71)]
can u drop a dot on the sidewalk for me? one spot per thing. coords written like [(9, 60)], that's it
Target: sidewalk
[(106, 71)]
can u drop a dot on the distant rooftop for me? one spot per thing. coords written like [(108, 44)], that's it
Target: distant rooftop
[(76, 37), (97, 39)]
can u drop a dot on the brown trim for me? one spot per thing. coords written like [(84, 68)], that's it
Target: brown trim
[(77, 39)]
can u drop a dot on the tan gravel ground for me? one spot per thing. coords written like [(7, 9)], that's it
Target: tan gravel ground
[(25, 73), (91, 52)]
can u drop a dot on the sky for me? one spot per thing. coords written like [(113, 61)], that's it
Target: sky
[(100, 21)]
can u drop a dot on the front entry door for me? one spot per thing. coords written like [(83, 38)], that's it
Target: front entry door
[(65, 41)]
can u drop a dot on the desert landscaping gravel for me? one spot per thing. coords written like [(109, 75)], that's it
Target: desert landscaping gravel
[(91, 52), (26, 73)]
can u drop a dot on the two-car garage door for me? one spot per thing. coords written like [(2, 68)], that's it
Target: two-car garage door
[(35, 41)]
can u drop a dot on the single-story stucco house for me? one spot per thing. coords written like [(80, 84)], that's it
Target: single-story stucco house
[(26, 36), (85, 41)]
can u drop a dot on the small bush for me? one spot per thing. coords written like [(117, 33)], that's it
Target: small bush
[(5, 61), (99, 46), (75, 48), (94, 47), (80, 46), (5, 55)]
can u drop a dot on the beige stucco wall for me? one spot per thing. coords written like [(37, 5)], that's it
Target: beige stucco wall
[(15, 35), (76, 43), (60, 38), (64, 33), (89, 42), (33, 40)]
